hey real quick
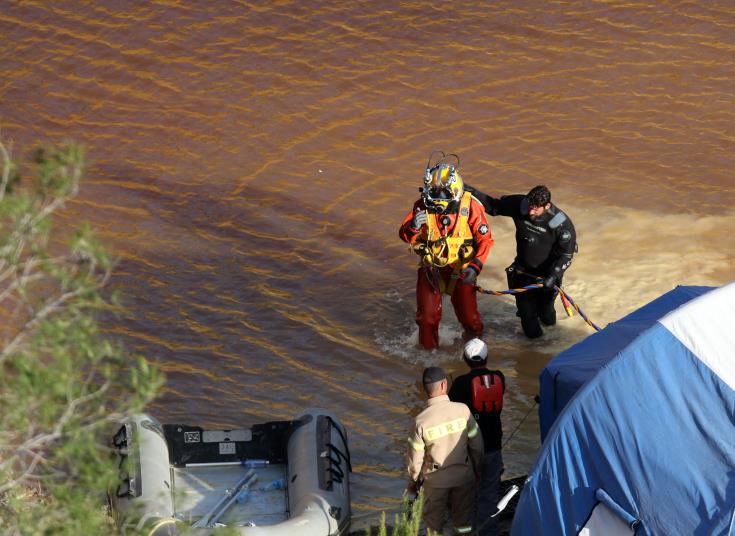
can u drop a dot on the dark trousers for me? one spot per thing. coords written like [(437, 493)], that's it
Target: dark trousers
[(533, 305), (487, 495), (459, 500)]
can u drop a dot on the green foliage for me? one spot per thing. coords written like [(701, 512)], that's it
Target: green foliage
[(407, 523), (62, 383)]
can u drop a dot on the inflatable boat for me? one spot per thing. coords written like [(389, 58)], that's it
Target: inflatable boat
[(273, 479)]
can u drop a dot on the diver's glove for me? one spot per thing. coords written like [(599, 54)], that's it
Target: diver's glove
[(419, 219), (550, 281), (468, 276)]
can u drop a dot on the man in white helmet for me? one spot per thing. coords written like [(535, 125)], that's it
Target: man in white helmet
[(482, 391)]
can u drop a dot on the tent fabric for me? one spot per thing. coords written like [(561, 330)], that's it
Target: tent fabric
[(568, 371), (605, 522), (654, 429)]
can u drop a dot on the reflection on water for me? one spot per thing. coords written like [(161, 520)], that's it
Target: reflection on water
[(252, 163)]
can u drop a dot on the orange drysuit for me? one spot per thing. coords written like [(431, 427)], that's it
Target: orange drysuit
[(434, 278)]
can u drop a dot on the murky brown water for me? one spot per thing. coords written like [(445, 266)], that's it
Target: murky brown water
[(252, 162)]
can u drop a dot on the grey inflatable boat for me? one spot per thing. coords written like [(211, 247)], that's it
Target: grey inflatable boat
[(273, 479)]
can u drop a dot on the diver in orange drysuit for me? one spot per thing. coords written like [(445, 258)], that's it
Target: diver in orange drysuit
[(448, 229)]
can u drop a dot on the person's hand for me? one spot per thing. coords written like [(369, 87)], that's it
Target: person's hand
[(469, 275), (550, 281), (419, 219)]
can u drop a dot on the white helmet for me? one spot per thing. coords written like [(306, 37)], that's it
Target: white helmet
[(475, 351)]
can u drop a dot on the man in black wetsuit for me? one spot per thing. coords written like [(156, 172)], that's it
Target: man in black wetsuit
[(545, 244)]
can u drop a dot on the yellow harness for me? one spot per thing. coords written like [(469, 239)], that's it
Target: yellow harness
[(454, 250)]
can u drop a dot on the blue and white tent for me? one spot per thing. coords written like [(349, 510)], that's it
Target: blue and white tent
[(567, 372), (646, 445)]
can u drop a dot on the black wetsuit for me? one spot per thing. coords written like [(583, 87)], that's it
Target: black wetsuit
[(492, 461), (544, 247)]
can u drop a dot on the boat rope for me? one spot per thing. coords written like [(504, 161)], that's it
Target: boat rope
[(569, 304), (335, 468), (341, 433), (340, 456)]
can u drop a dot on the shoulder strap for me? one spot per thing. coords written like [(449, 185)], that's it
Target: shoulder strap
[(461, 226), (432, 227)]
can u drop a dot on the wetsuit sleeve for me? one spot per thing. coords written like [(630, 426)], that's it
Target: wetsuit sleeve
[(476, 444), (502, 379), (483, 238), (416, 450), (407, 232), (489, 203), (565, 247), (458, 390), (452, 394), (510, 205)]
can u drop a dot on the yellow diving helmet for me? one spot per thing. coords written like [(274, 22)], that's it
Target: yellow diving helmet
[(443, 186)]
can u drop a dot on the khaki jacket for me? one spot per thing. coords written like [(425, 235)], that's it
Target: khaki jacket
[(445, 446)]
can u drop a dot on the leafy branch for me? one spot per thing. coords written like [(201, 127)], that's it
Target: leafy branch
[(62, 383)]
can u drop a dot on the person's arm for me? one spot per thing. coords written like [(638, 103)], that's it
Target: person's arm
[(452, 394), (564, 248), (507, 205), (476, 444), (480, 232), (483, 238), (489, 203), (513, 206), (409, 232), (416, 451), (457, 390)]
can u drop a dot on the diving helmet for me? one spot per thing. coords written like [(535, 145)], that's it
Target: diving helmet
[(443, 185)]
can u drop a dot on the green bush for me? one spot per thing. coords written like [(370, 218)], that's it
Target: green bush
[(407, 523), (62, 383)]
